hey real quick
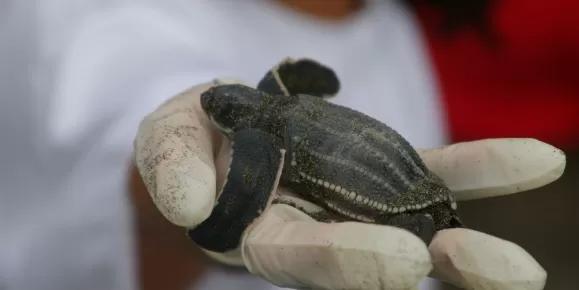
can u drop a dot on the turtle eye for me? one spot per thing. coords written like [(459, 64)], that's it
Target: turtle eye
[(226, 110)]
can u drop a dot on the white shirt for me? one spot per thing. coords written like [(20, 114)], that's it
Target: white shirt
[(78, 76)]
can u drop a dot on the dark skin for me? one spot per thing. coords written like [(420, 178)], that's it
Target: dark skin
[(167, 259), (337, 11)]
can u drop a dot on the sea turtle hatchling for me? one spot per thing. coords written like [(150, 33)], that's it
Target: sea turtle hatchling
[(285, 132)]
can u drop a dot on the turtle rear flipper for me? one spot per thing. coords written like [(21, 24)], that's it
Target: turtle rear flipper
[(422, 225), (303, 76), (254, 172)]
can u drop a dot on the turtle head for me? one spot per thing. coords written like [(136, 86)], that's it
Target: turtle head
[(233, 107)]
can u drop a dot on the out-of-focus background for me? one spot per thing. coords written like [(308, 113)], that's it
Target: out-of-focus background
[(76, 77)]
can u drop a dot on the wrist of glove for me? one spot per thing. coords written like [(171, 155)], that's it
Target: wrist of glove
[(183, 161)]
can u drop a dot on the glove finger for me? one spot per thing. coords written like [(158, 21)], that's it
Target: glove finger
[(474, 260), (495, 167), (284, 196), (290, 249), (174, 153)]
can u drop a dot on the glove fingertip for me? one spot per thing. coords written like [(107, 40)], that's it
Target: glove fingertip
[(186, 196), (397, 257), (174, 152), (296, 252), (494, 167), (468, 258)]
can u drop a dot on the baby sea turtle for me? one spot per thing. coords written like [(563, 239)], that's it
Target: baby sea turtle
[(342, 160)]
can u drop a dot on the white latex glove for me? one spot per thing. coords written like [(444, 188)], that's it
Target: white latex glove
[(183, 159)]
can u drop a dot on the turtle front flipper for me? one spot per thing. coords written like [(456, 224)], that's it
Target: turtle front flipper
[(303, 76), (256, 164), (422, 225)]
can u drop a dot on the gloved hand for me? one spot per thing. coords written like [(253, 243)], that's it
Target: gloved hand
[(183, 160)]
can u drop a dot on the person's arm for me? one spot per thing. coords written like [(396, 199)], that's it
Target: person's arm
[(167, 259), (127, 63), (160, 243)]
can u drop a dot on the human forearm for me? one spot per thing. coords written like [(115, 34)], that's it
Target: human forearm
[(166, 258)]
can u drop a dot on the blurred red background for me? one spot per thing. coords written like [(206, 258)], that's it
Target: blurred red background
[(524, 85)]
